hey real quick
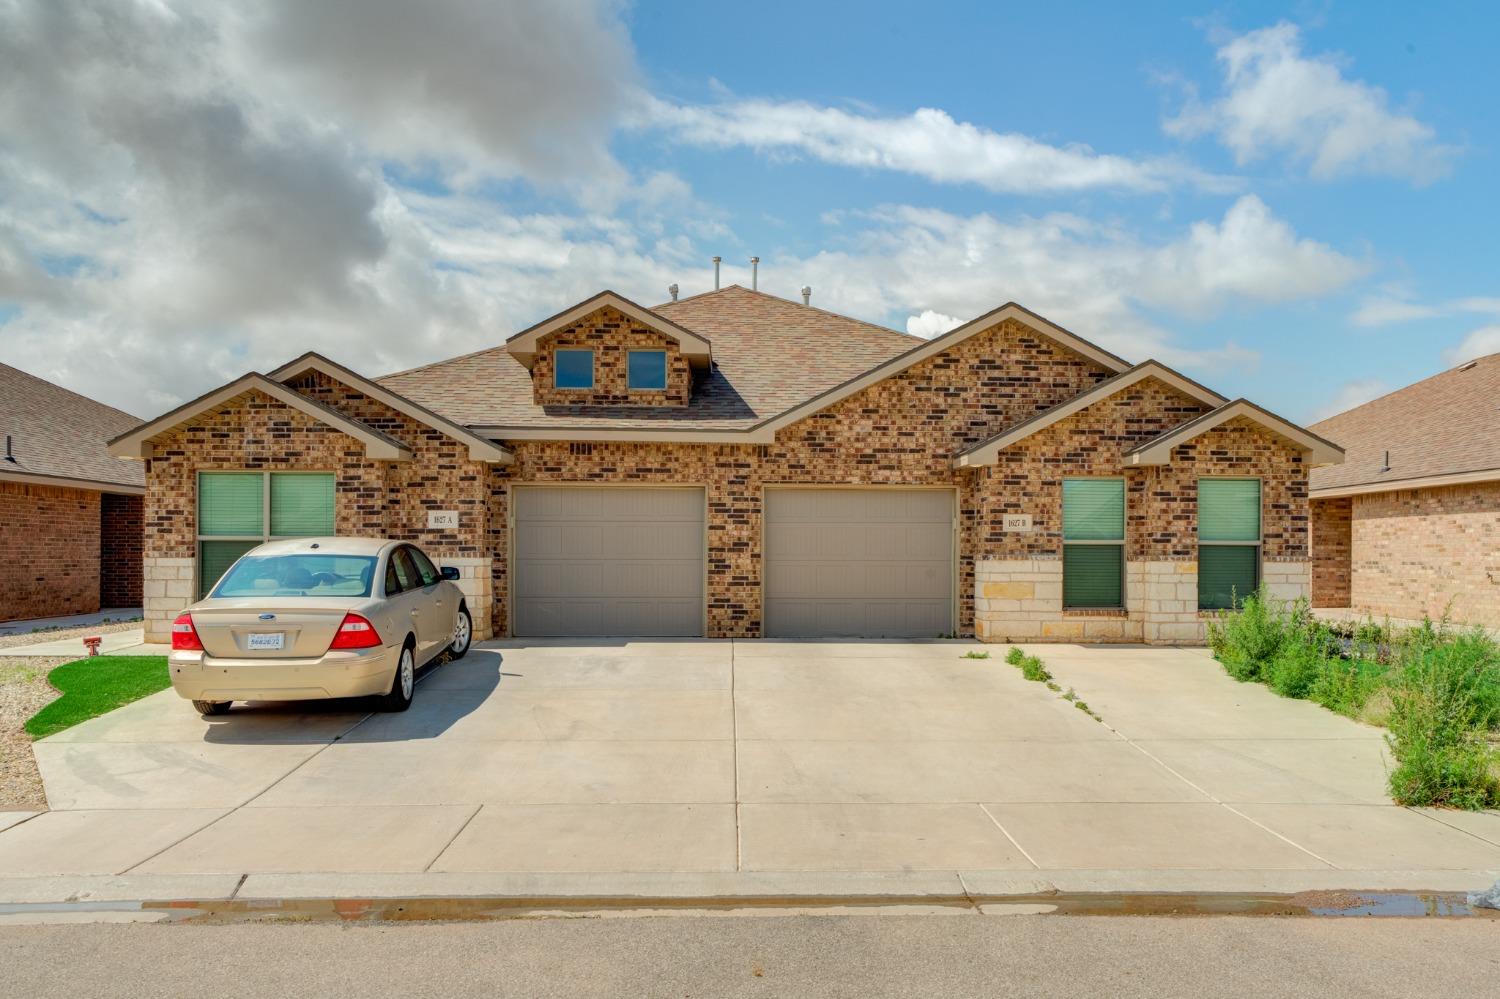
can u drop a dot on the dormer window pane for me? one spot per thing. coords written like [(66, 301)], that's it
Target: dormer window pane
[(575, 369), (647, 369)]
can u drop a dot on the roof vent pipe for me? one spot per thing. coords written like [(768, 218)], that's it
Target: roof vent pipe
[(807, 294), (716, 272), (754, 273), (1386, 465), (9, 454), (672, 290)]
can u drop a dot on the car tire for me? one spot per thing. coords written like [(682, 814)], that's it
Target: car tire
[(206, 708), (403, 682), (463, 635)]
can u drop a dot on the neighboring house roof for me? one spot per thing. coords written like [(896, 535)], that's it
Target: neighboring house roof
[(137, 443), (987, 452), (480, 448), (692, 346), (1442, 430), (59, 437), (1158, 451), (769, 355)]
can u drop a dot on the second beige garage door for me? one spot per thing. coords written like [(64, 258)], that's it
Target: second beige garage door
[(859, 563), (600, 561)]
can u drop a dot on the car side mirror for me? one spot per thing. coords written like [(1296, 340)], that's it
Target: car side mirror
[(449, 573)]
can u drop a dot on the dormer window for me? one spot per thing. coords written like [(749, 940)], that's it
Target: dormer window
[(646, 370), (575, 369)]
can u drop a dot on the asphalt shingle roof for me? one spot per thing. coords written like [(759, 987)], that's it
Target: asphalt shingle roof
[(60, 433), (1446, 424), (769, 355)]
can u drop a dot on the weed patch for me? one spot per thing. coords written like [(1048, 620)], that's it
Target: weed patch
[(972, 654), (1437, 691)]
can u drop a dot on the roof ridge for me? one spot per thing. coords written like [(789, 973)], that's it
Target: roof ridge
[(793, 302)]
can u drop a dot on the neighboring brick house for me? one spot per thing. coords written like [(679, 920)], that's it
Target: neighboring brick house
[(1409, 526), (738, 465), (70, 513)]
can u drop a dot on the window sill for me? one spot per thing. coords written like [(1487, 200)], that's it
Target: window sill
[(1107, 612)]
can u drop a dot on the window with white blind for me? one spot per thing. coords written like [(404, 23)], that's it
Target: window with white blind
[(1228, 541), (1093, 543), (239, 510)]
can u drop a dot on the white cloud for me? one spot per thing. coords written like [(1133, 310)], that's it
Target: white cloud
[(1350, 394), (1483, 341), (930, 324), (1385, 311), (927, 143), (1278, 100), (1094, 279)]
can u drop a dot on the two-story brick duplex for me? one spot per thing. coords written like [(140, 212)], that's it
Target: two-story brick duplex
[(738, 465)]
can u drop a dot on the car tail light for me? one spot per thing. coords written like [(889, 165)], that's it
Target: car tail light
[(355, 633), (184, 635)]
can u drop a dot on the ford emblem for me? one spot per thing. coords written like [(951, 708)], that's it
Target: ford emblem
[(268, 617)]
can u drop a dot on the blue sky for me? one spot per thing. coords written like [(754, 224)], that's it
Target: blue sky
[(1291, 202)]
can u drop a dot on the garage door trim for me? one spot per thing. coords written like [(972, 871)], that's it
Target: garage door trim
[(511, 571), (954, 553)]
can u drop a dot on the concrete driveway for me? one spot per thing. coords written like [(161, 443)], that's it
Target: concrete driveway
[(640, 757)]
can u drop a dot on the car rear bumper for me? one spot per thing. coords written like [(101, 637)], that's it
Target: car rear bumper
[(198, 676)]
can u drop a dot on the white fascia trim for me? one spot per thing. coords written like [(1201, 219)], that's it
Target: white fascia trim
[(136, 443), (939, 344), (480, 449), (695, 348), (1423, 482), (1159, 451), (989, 452), (63, 482)]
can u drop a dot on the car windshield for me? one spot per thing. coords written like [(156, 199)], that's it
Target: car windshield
[(298, 576)]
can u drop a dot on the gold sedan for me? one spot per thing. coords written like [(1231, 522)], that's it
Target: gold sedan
[(319, 617)]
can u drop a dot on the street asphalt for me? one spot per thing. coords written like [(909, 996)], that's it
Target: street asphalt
[(804, 956)]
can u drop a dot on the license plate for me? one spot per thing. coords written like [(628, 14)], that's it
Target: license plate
[(265, 641)]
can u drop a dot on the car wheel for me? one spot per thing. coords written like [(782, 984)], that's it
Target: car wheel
[(463, 635), (403, 683), (206, 708)]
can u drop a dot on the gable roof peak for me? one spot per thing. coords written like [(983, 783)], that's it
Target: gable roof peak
[(693, 346)]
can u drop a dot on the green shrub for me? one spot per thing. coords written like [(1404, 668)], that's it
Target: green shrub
[(1247, 640), (1296, 667), (1444, 698), (1346, 685), (1015, 656)]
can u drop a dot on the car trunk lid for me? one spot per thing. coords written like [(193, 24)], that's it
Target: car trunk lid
[(261, 629)]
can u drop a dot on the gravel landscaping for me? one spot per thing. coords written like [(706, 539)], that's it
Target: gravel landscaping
[(24, 691)]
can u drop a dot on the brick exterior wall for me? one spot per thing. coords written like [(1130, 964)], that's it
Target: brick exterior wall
[(1331, 539), (611, 335), (49, 546), (902, 431), (120, 550), (1428, 552)]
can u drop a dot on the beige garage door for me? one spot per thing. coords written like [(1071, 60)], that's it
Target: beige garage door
[(871, 563), (608, 561)]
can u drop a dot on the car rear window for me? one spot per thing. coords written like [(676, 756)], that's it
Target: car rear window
[(298, 576)]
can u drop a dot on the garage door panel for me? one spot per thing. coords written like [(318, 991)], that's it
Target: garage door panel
[(859, 562), (608, 561)]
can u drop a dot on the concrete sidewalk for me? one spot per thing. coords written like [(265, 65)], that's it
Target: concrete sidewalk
[(709, 768)]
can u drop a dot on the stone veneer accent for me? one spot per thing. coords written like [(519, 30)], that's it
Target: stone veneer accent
[(1020, 600), (611, 335), (475, 579), (167, 587)]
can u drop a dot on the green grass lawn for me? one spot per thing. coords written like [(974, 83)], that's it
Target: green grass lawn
[(90, 687)]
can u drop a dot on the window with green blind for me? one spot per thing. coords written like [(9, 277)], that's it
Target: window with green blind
[(239, 510), (1228, 541), (1093, 543)]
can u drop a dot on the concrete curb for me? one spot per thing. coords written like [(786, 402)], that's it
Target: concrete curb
[(816, 888)]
